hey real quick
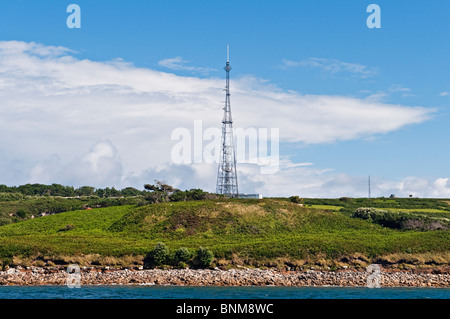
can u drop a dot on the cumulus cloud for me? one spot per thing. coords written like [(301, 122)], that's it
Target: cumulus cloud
[(313, 182), (100, 166), (77, 122), (302, 179)]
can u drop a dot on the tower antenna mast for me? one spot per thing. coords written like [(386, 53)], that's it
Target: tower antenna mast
[(227, 175)]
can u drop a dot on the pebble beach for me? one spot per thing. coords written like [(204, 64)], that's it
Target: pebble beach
[(215, 277)]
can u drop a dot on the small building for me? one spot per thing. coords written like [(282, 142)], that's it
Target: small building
[(253, 196)]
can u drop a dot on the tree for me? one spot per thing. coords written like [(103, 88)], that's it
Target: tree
[(193, 194), (115, 192), (85, 191), (296, 199), (130, 191), (154, 197), (100, 192), (159, 192)]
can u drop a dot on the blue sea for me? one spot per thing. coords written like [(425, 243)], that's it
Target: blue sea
[(189, 292)]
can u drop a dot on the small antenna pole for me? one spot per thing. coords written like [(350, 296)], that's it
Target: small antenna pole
[(228, 53)]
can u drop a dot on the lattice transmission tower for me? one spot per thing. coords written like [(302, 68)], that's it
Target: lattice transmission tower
[(227, 183)]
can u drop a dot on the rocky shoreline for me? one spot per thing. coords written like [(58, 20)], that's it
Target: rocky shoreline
[(215, 277)]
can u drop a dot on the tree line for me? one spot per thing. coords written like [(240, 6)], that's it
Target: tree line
[(153, 193), (70, 191)]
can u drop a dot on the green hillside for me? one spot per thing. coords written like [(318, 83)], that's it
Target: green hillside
[(266, 232)]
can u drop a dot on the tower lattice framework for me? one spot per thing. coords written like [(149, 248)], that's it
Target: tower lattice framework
[(227, 183)]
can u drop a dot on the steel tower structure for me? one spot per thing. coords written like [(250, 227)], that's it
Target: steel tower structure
[(227, 175)]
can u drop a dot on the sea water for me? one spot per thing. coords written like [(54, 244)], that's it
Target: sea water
[(190, 292)]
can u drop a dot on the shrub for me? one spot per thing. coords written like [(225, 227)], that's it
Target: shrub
[(5, 221), (183, 265), (296, 199), (39, 263), (67, 227), (401, 220), (204, 257), (21, 213), (182, 255), (160, 254), (6, 262)]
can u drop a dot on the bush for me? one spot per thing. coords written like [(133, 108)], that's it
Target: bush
[(296, 199), (21, 213), (6, 262), (5, 220), (401, 220), (183, 265), (204, 257), (182, 255), (160, 254), (67, 227), (368, 212)]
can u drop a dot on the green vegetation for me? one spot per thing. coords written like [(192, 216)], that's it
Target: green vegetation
[(402, 220), (36, 200), (259, 233), (159, 255), (17, 207), (182, 255), (204, 257), (296, 199), (326, 207), (349, 205), (69, 191), (162, 193)]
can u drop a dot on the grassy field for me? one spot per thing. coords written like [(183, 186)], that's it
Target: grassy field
[(326, 207), (16, 207), (268, 232)]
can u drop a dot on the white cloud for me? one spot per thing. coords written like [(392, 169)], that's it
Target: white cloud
[(376, 97), (178, 63), (399, 88), (100, 166), (332, 66), (302, 180), (405, 92), (380, 96), (79, 122), (444, 93), (313, 182), (416, 186)]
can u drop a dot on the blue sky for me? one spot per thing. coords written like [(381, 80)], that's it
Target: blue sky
[(303, 48)]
